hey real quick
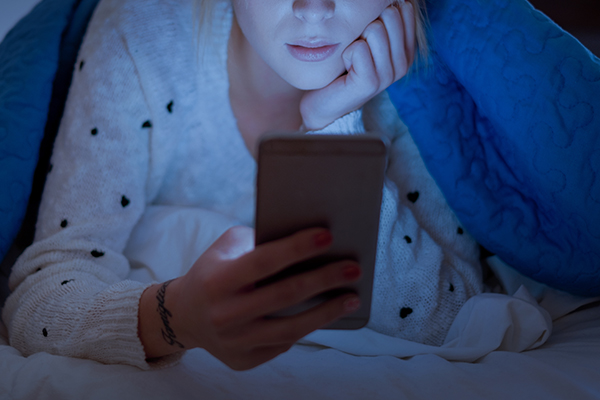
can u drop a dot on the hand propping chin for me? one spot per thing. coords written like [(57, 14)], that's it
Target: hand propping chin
[(381, 56)]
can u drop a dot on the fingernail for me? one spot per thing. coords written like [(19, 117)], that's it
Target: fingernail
[(323, 239), (351, 273), (351, 304)]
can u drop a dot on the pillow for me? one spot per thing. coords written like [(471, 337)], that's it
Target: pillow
[(506, 114)]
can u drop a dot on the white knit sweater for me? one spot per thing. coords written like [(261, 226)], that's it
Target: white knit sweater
[(147, 123)]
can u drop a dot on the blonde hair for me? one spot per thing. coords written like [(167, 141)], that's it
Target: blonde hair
[(204, 13)]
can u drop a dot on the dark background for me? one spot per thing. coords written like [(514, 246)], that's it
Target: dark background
[(581, 18)]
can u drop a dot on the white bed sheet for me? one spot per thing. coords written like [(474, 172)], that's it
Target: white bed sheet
[(527, 345)]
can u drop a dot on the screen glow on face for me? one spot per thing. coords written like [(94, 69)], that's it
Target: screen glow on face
[(303, 40)]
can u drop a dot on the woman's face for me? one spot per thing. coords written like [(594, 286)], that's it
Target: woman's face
[(303, 40)]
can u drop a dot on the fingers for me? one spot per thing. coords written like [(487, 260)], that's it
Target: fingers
[(376, 36), (409, 22), (362, 80), (270, 258), (296, 289), (288, 330), (394, 25), (385, 50), (266, 339)]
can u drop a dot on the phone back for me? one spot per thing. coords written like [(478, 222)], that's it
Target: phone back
[(331, 181)]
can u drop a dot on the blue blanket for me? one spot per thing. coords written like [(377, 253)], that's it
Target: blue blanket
[(36, 64), (506, 114), (507, 118)]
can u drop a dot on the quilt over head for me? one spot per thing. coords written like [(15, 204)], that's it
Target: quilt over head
[(506, 116), (36, 64)]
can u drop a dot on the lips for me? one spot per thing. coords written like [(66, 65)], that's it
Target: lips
[(312, 51)]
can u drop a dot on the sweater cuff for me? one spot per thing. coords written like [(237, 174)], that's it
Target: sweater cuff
[(122, 344), (349, 124), (102, 324)]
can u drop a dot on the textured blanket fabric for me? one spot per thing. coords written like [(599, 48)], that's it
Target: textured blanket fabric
[(507, 118), (28, 61), (36, 64)]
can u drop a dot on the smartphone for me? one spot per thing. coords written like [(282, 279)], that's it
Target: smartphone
[(329, 181)]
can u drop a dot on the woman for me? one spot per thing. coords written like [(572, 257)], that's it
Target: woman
[(152, 118)]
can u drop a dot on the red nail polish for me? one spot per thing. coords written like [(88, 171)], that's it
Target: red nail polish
[(351, 304), (352, 272), (323, 239)]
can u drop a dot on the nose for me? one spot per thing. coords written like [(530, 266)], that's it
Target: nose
[(313, 11)]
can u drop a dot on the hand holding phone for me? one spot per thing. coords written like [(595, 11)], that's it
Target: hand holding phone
[(382, 55), (217, 306)]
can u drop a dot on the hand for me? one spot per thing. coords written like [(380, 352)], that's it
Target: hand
[(381, 56), (216, 305)]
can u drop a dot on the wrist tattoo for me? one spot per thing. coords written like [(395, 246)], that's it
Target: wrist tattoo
[(167, 332)]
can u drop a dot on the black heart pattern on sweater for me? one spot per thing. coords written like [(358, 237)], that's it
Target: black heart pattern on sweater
[(96, 253), (125, 201), (413, 197), (405, 312)]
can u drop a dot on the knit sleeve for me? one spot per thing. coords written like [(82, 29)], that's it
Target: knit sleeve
[(427, 264), (349, 124), (70, 293)]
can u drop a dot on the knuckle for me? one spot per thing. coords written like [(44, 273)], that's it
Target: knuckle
[(374, 28), (362, 48), (372, 85), (391, 11)]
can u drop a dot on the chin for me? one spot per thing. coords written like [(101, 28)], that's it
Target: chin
[(312, 80)]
